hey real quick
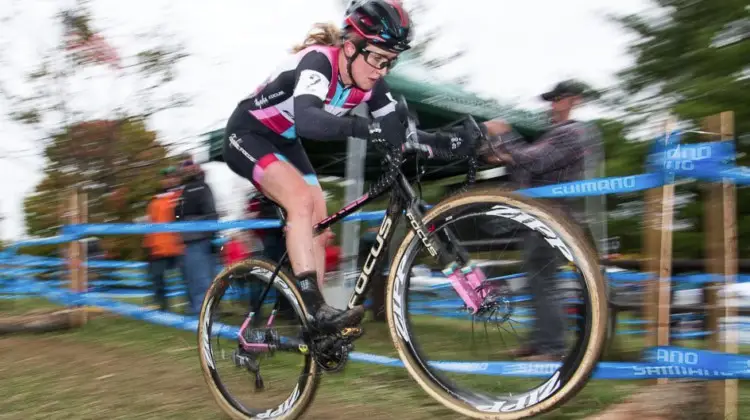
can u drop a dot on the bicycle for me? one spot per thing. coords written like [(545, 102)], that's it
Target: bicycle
[(431, 230)]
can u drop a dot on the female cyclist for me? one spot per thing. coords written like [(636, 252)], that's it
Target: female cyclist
[(309, 96)]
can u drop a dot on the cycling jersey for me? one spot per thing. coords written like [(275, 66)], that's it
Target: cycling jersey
[(305, 96)]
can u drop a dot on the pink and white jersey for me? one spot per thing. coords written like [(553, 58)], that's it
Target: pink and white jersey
[(312, 71)]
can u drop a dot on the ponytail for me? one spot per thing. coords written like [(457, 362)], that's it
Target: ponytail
[(321, 34)]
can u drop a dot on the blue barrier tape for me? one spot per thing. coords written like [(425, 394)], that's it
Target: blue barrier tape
[(54, 240), (698, 359), (116, 264), (736, 368), (596, 187), (93, 229)]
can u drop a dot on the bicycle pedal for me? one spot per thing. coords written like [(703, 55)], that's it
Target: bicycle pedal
[(352, 332)]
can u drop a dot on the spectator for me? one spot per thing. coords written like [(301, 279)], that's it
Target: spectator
[(164, 249), (559, 155), (197, 203)]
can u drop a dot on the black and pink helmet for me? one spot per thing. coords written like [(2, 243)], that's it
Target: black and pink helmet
[(384, 23)]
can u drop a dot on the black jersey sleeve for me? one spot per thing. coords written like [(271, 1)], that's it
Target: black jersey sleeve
[(312, 79)]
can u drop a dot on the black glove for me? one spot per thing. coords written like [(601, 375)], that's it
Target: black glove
[(457, 142), (386, 133)]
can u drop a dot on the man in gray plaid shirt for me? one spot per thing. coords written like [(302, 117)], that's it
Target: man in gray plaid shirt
[(566, 151)]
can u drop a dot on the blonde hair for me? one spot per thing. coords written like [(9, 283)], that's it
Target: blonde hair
[(322, 34)]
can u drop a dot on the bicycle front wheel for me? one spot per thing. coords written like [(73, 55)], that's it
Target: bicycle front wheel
[(498, 210)]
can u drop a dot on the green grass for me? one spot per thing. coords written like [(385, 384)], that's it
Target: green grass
[(122, 368)]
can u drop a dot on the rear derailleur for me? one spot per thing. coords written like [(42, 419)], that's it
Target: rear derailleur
[(249, 360)]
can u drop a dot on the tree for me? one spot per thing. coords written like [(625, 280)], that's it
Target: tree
[(84, 53), (688, 63), (113, 162), (107, 151)]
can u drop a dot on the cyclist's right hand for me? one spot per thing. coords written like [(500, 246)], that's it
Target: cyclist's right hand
[(386, 133)]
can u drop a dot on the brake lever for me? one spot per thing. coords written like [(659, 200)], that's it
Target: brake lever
[(411, 131), (474, 126), (402, 108)]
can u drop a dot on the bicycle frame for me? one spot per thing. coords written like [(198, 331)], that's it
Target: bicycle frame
[(403, 200)]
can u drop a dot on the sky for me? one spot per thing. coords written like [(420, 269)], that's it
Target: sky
[(514, 51)]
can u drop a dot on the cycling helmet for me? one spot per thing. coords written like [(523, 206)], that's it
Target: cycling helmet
[(384, 23)]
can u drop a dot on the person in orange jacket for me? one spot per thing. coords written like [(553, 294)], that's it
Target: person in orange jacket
[(165, 249)]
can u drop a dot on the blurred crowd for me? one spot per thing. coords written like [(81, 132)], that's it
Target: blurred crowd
[(196, 256), (184, 196)]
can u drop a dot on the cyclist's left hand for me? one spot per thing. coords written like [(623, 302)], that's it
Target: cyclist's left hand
[(460, 141)]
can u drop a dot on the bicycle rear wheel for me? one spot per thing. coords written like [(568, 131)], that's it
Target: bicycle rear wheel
[(257, 346), (407, 315)]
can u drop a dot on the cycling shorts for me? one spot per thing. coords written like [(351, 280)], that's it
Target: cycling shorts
[(250, 147)]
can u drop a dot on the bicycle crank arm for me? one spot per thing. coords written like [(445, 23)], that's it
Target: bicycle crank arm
[(292, 345)]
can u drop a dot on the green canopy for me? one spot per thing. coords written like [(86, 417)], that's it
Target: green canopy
[(436, 104)]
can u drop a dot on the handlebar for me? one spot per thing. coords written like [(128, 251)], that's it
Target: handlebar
[(394, 156)]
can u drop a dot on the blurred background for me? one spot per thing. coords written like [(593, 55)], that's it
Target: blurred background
[(106, 95)]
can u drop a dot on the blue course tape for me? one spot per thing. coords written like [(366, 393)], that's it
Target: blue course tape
[(596, 187), (116, 264), (54, 240), (717, 367), (733, 365)]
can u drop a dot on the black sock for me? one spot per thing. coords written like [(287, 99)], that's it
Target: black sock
[(308, 288)]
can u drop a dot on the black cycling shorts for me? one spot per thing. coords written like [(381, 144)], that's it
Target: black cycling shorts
[(249, 147)]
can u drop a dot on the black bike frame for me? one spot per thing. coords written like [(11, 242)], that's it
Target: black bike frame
[(403, 200)]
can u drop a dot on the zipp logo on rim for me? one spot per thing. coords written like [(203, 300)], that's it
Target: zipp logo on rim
[(206, 339), (533, 223), (397, 300), (525, 400), (283, 408)]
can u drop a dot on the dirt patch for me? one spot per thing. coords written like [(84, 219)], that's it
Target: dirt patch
[(671, 401), (57, 378)]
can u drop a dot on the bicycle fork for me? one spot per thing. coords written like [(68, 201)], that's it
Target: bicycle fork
[(465, 277)]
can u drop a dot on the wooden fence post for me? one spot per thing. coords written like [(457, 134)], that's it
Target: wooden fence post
[(658, 263), (721, 259), (77, 213)]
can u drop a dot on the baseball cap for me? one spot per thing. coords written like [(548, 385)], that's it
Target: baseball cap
[(566, 89)]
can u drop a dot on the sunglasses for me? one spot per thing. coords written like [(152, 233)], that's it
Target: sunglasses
[(377, 60)]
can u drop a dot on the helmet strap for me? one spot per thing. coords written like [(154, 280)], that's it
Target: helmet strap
[(350, 61)]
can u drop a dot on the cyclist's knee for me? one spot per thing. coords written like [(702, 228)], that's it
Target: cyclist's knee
[(301, 205), (283, 184)]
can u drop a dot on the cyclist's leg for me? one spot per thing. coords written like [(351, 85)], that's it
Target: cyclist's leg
[(296, 154), (320, 212), (260, 161), (257, 159), (284, 184)]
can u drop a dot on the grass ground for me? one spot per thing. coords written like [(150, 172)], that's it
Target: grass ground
[(127, 369)]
